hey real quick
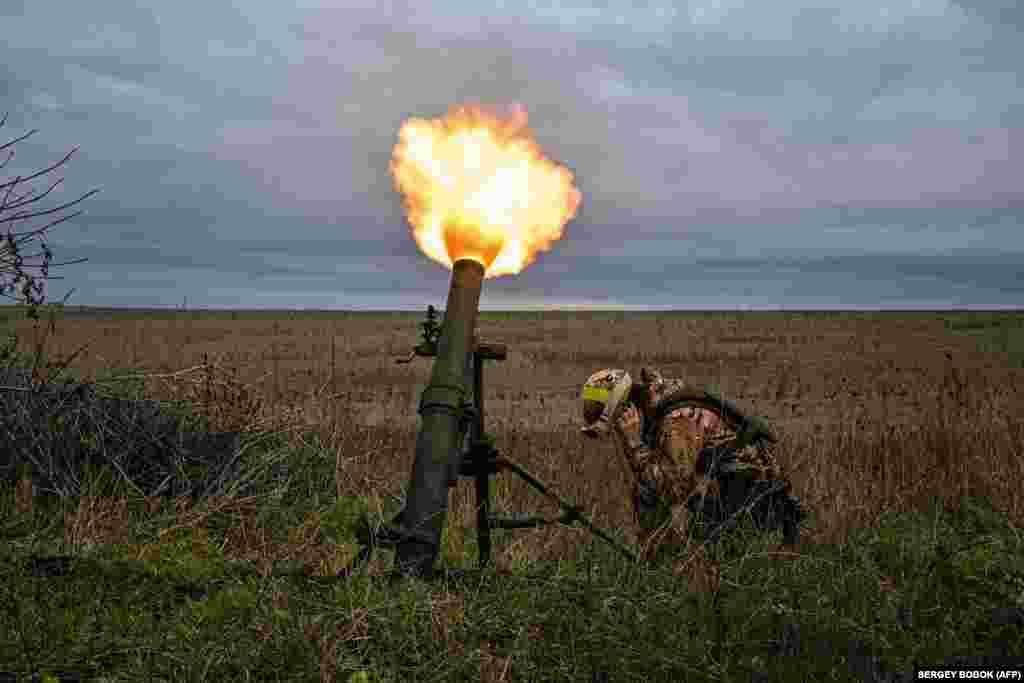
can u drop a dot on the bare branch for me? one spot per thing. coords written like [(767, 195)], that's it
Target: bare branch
[(7, 195), (10, 155), (65, 263), (16, 280), (4, 264), (30, 199), (44, 171), (19, 197), (36, 255), (47, 212), (22, 237), (57, 222), (17, 140), (66, 296)]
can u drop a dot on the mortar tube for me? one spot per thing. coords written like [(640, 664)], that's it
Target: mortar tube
[(438, 446)]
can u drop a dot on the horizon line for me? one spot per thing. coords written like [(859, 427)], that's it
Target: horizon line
[(542, 309)]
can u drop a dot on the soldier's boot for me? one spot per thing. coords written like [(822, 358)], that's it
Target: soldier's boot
[(793, 515), (790, 533)]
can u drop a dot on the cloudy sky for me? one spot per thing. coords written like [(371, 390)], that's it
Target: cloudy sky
[(730, 154)]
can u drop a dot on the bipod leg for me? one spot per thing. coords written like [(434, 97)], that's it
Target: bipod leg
[(479, 463), (572, 513), (483, 514)]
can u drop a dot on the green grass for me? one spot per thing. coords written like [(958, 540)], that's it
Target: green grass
[(996, 332), (180, 616)]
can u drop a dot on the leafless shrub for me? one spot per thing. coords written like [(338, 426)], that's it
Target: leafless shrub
[(21, 204)]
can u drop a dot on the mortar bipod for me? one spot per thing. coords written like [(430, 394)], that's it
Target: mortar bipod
[(483, 459), (479, 460)]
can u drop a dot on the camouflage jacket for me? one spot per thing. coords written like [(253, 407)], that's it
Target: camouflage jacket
[(666, 465)]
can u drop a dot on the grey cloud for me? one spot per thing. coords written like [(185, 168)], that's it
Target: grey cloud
[(991, 271), (253, 143), (116, 66), (1000, 14), (153, 257)]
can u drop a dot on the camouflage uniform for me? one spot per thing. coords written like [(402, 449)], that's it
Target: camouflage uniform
[(670, 470)]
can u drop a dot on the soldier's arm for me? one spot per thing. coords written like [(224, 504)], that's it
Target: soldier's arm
[(626, 427), (649, 466)]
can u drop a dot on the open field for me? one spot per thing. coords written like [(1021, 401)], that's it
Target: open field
[(895, 426), (821, 378)]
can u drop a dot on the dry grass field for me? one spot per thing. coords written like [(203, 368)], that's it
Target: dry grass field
[(880, 411), (880, 414)]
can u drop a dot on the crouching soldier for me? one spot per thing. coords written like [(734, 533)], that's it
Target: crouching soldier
[(689, 452)]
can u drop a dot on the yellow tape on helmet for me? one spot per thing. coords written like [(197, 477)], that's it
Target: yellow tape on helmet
[(592, 393)]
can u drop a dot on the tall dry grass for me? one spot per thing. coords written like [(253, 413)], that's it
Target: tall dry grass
[(878, 412)]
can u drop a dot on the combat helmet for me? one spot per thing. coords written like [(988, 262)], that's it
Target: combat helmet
[(603, 393)]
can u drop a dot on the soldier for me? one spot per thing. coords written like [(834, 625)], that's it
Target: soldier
[(670, 457)]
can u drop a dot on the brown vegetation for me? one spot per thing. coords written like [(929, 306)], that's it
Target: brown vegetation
[(878, 412)]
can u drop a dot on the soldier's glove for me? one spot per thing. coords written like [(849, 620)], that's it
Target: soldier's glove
[(627, 424), (628, 434)]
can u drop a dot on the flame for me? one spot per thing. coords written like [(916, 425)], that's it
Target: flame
[(476, 185)]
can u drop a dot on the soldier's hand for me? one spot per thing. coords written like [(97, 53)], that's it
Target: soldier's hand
[(628, 422), (631, 418)]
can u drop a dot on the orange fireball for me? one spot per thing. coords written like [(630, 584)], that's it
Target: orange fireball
[(476, 185)]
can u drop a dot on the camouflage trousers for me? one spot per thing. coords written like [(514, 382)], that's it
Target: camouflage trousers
[(726, 482)]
